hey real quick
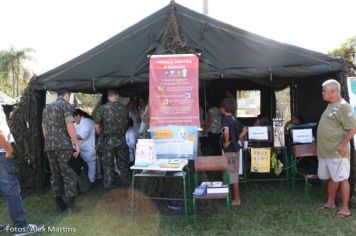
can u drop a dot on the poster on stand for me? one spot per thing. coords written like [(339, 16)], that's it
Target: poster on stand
[(174, 90), (260, 160), (175, 142), (351, 85)]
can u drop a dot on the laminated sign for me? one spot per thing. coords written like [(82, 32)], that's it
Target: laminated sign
[(260, 160), (175, 142)]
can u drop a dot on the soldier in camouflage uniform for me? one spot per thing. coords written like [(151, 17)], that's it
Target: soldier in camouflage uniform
[(110, 124), (60, 139)]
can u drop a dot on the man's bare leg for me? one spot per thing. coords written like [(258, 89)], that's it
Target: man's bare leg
[(345, 196), (332, 190)]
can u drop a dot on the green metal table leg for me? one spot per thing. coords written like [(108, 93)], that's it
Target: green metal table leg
[(189, 189), (132, 191), (288, 163), (306, 193), (229, 198), (194, 200), (244, 164), (194, 211), (185, 198), (285, 153), (293, 172)]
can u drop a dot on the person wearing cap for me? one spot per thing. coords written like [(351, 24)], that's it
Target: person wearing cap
[(61, 143), (84, 127), (9, 184), (110, 124)]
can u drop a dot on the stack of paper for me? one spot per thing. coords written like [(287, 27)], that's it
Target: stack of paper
[(217, 190), (207, 188), (214, 184), (200, 190), (172, 163)]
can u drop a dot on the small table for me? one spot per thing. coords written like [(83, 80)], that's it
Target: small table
[(181, 172), (299, 152), (283, 150)]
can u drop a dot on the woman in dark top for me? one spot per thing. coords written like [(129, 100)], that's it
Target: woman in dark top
[(233, 131)]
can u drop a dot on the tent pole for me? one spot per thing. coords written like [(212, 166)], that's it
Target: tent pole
[(293, 97), (271, 95), (204, 99), (271, 92)]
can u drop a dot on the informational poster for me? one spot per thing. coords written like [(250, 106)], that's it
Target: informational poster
[(174, 90), (174, 142), (145, 152), (351, 84), (260, 160)]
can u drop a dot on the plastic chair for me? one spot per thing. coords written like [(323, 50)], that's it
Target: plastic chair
[(211, 163), (303, 151)]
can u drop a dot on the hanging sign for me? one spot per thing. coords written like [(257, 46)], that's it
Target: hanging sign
[(260, 160), (174, 90)]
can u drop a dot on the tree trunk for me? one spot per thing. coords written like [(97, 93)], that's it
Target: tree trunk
[(17, 84), (13, 82), (18, 71)]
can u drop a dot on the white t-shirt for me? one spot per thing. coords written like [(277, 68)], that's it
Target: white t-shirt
[(131, 137), (85, 129), (4, 126)]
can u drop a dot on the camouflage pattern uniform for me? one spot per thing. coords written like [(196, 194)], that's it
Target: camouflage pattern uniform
[(59, 148), (112, 118)]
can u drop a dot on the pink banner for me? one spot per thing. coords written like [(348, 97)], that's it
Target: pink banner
[(174, 90)]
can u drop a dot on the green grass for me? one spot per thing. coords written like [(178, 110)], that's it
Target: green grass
[(267, 209)]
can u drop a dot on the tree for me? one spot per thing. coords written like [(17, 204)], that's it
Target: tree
[(346, 51), (12, 68)]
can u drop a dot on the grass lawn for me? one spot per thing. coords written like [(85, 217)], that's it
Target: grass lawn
[(267, 209)]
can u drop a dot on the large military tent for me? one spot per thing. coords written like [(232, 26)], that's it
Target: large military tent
[(226, 52), (229, 56)]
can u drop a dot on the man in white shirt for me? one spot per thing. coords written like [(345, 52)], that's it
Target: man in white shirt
[(85, 130)]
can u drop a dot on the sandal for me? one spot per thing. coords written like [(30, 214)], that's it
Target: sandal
[(342, 216), (324, 207)]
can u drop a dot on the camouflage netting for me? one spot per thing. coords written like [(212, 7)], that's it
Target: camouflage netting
[(173, 42), (26, 129)]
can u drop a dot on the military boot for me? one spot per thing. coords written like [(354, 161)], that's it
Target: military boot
[(4, 227), (61, 205), (72, 208)]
